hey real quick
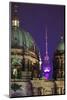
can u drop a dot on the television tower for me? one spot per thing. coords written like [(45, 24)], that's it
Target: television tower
[(46, 69)]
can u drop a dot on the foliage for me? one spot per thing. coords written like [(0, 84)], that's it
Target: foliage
[(15, 87), (16, 60)]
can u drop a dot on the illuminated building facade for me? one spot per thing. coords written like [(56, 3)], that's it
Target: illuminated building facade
[(26, 66), (59, 68), (30, 76)]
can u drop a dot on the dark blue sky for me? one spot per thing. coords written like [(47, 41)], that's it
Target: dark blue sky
[(35, 17)]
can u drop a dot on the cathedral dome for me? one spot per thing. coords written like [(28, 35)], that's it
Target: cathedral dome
[(25, 53), (22, 39)]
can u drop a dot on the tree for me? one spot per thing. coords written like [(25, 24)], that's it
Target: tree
[(15, 87), (16, 60)]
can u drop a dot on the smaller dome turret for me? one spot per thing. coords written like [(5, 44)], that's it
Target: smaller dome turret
[(58, 61), (61, 44)]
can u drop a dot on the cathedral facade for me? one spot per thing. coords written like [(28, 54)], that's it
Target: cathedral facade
[(29, 77)]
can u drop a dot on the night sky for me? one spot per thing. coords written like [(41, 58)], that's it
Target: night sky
[(34, 18)]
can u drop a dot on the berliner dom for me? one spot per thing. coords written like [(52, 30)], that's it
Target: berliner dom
[(31, 72)]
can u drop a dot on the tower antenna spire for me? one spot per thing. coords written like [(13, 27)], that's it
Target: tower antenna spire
[(46, 65), (15, 8), (46, 41)]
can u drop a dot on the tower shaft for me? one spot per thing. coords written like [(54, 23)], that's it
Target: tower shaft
[(46, 53)]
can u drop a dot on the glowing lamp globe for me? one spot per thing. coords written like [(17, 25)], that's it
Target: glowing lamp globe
[(47, 69)]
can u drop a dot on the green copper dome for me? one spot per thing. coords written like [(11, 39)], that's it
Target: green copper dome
[(61, 45), (21, 38)]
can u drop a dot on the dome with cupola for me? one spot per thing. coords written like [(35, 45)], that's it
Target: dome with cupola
[(25, 53), (21, 38)]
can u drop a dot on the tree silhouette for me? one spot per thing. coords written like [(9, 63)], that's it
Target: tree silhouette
[(15, 87)]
